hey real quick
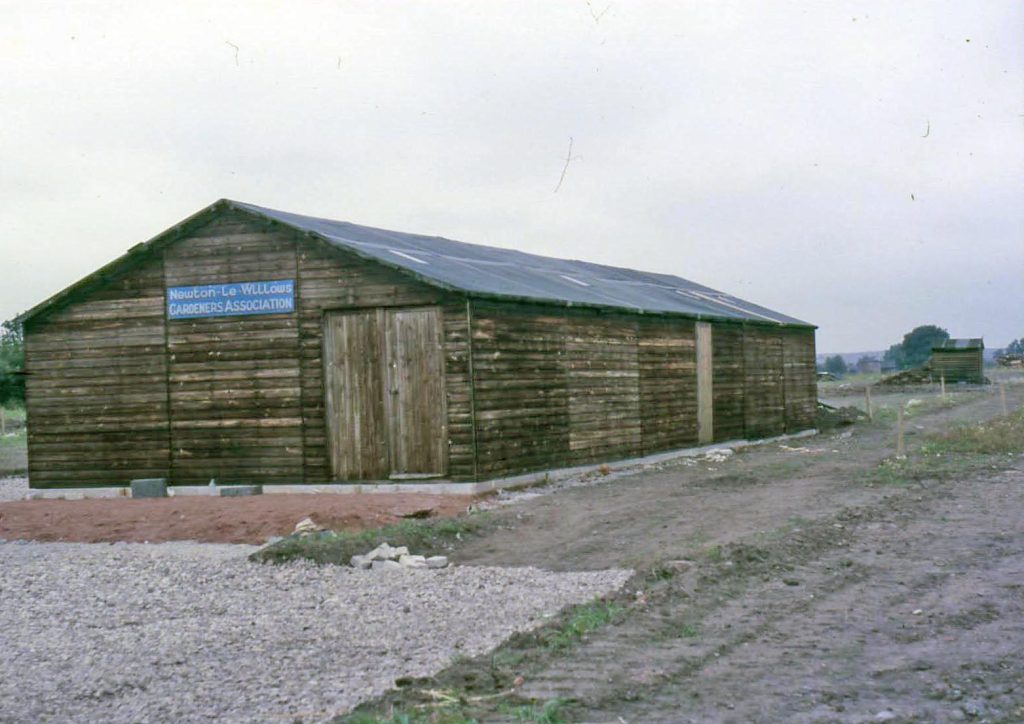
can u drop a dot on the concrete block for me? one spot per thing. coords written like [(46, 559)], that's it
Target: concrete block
[(149, 488), (233, 491)]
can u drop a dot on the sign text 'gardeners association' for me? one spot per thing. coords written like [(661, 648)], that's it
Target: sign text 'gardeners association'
[(231, 300)]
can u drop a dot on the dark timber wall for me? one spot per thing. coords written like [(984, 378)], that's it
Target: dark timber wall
[(234, 382), (958, 365), (556, 386), (97, 392), (117, 391), (668, 389)]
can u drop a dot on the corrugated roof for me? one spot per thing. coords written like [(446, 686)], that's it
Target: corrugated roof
[(477, 270), (969, 343), (506, 273)]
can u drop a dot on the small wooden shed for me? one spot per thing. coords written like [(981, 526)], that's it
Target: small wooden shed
[(959, 360), (253, 345)]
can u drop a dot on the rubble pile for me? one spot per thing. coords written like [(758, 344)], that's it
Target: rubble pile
[(386, 557)]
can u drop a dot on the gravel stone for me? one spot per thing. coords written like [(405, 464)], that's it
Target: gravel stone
[(13, 489), (189, 631)]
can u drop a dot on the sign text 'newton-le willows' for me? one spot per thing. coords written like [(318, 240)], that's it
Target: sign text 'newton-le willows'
[(231, 300)]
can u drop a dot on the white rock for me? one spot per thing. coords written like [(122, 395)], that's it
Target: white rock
[(360, 562), (386, 566), (385, 552), (307, 526), (408, 561), (718, 455), (437, 562)]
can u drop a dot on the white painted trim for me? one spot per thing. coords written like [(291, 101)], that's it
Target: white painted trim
[(527, 480)]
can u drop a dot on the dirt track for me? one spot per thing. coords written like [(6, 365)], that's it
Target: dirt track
[(811, 591)]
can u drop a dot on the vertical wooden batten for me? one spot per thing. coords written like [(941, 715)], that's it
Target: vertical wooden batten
[(705, 384), (472, 387)]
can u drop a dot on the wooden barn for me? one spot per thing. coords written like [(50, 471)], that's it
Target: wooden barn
[(959, 360), (249, 345)]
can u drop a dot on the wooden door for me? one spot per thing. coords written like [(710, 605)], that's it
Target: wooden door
[(354, 388), (415, 400), (384, 387)]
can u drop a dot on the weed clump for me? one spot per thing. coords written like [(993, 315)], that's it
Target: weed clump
[(583, 620), (550, 712), (1002, 435), (957, 451), (430, 537), (830, 418)]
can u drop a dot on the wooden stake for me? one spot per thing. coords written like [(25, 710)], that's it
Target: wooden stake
[(3, 419), (867, 402), (900, 450), (942, 387), (1002, 397)]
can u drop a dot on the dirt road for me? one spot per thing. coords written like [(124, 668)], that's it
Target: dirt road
[(781, 584)]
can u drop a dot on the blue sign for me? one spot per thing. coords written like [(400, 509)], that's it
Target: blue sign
[(231, 300)]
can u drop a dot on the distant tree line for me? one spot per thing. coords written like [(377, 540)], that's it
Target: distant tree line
[(836, 365), (12, 361)]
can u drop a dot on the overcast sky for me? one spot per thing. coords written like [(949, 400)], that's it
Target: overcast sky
[(858, 165)]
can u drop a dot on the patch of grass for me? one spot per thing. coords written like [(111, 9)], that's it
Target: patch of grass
[(13, 453), (583, 620), (1002, 435), (689, 631), (14, 413), (893, 472), (955, 452), (426, 537), (550, 712), (915, 405), (506, 659), (714, 553)]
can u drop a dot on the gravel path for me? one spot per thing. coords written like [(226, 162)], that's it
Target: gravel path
[(13, 488), (187, 631)]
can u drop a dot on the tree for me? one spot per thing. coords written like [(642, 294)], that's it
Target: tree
[(12, 361), (1016, 346), (916, 347), (835, 364), (917, 344), (894, 356)]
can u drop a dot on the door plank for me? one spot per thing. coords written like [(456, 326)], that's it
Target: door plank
[(354, 393), (415, 399)]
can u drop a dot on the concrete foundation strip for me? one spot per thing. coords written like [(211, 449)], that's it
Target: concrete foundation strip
[(526, 480)]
